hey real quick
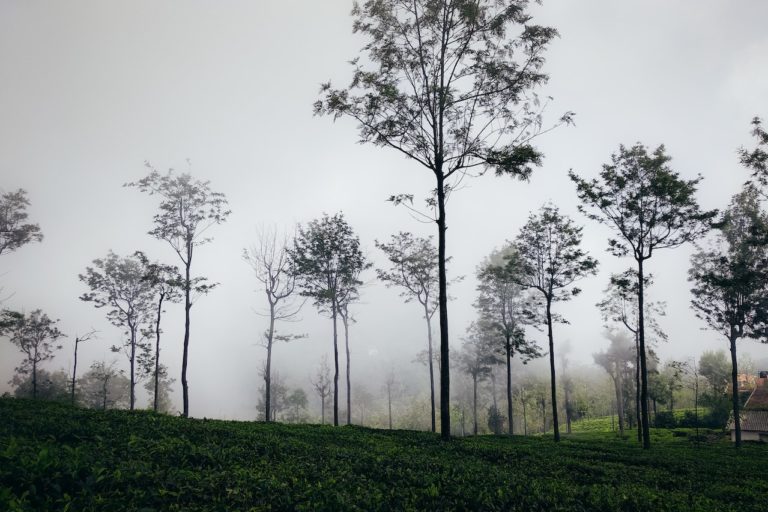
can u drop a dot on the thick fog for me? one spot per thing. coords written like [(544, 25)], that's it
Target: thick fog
[(89, 90)]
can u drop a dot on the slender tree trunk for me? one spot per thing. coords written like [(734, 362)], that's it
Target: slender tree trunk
[(643, 364), (322, 410), (511, 427), (474, 404), (637, 389), (389, 404), (445, 379), (525, 416), (735, 386), (133, 366), (34, 377), (567, 406), (431, 364), (187, 307), (345, 321), (493, 390), (104, 394), (157, 350), (336, 368), (74, 371), (619, 401), (553, 382), (268, 369)]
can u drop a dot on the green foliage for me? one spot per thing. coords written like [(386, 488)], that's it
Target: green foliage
[(326, 261), (13, 231), (50, 385), (55, 457), (757, 159), (35, 335)]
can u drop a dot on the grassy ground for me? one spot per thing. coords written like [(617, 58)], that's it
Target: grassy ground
[(53, 457)]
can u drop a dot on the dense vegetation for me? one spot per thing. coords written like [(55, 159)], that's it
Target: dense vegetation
[(57, 457)]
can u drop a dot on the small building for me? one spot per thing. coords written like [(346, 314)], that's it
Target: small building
[(754, 414)]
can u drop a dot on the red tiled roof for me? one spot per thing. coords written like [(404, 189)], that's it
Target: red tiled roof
[(758, 400), (755, 421)]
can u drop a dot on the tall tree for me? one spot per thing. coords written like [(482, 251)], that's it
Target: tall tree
[(548, 258), (506, 309), (119, 284), (166, 284), (36, 335), (325, 261), (270, 262), (188, 208), (451, 85), (78, 340), (14, 232), (413, 268), (649, 207), (730, 280)]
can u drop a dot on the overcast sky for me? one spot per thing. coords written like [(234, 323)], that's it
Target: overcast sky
[(89, 90)]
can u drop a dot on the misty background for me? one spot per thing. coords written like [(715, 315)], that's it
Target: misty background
[(89, 90)]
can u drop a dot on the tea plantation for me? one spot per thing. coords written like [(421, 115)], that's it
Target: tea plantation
[(54, 457)]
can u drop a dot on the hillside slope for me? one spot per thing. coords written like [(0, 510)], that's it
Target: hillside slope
[(55, 457)]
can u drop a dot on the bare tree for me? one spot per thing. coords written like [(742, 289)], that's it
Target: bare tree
[(79, 339), (270, 262), (321, 383), (188, 208)]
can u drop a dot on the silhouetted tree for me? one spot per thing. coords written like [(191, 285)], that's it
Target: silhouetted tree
[(730, 281), (649, 207), (36, 335), (188, 208), (548, 258), (78, 340), (13, 213), (167, 285), (757, 159), (270, 262), (506, 309), (326, 260), (450, 85), (413, 268), (119, 284)]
